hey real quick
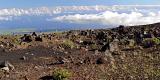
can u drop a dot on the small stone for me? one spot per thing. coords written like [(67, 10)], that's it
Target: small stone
[(23, 58), (131, 43), (62, 61), (5, 69), (81, 62), (2, 45), (66, 52), (96, 52), (65, 60), (26, 53)]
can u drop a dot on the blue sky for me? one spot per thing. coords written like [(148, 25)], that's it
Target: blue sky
[(50, 3), (79, 14)]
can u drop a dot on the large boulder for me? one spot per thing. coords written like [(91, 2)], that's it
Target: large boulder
[(156, 33), (114, 45), (121, 29), (105, 47), (138, 37), (26, 38), (38, 38), (101, 35), (147, 35)]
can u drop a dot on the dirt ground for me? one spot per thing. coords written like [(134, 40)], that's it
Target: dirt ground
[(85, 54), (40, 61)]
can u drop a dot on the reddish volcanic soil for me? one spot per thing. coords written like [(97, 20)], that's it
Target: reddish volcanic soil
[(87, 55)]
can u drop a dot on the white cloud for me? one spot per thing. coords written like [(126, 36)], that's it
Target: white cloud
[(112, 18), (8, 14), (8, 18), (108, 17), (61, 9), (31, 11)]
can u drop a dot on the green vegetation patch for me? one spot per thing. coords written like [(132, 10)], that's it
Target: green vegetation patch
[(61, 74), (153, 40), (68, 44)]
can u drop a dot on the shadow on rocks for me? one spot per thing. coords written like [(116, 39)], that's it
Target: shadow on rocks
[(47, 78)]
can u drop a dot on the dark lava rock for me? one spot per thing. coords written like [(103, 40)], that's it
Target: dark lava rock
[(38, 39), (147, 35), (5, 65), (138, 37), (105, 47), (23, 58), (100, 61), (88, 42), (34, 34), (26, 38), (84, 33), (101, 35), (47, 78), (148, 44), (121, 29)]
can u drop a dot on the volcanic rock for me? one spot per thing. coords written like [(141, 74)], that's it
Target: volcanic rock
[(114, 46), (26, 38), (5, 65), (101, 61), (38, 38)]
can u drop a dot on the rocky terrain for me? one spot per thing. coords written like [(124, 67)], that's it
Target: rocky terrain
[(122, 53)]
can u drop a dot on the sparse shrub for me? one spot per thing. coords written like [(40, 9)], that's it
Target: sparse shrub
[(61, 74), (94, 47), (68, 44), (149, 42), (156, 40), (74, 38), (16, 41)]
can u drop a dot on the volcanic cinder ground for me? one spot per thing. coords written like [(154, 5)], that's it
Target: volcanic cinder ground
[(87, 54)]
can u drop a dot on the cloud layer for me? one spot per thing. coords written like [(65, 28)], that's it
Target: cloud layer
[(52, 11), (31, 11), (106, 15), (61, 9), (112, 18), (8, 18)]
